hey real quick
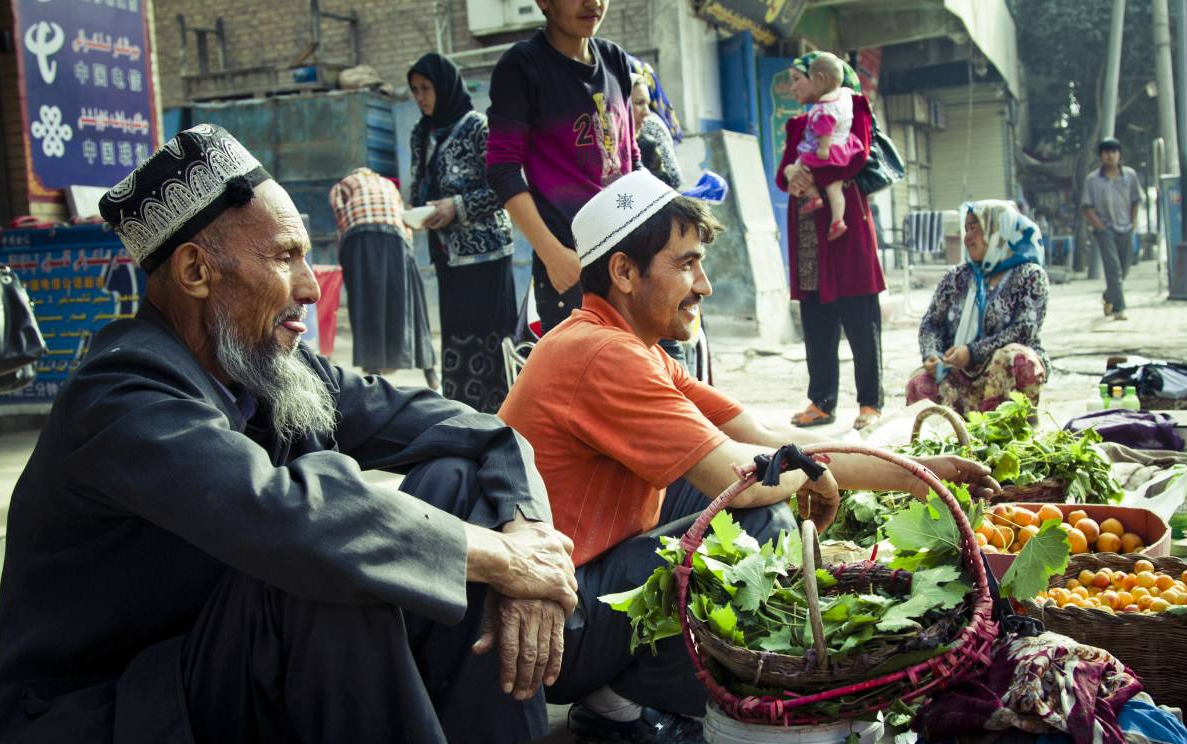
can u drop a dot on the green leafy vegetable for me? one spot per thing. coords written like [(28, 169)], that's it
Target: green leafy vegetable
[(1043, 556)]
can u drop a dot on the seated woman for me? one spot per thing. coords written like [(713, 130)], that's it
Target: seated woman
[(980, 337)]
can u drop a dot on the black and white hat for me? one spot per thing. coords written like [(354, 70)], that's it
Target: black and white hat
[(181, 189)]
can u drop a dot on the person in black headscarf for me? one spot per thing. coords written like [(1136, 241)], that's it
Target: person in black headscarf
[(469, 234)]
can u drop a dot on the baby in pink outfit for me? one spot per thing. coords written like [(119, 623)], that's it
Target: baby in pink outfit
[(827, 138)]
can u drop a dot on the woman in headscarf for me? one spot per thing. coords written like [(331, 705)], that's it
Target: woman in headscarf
[(837, 283), (980, 337), (470, 240)]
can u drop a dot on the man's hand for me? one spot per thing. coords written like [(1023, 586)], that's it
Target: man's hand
[(539, 565), (958, 356), (957, 470), (930, 363), (564, 269), (819, 500), (531, 641), (444, 212)]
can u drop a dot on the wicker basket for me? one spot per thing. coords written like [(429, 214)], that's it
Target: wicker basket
[(801, 674), (1153, 646), (1048, 491), (972, 635)]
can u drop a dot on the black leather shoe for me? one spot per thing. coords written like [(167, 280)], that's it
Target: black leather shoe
[(653, 727)]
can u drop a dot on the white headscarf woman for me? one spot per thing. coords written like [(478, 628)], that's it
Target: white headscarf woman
[(997, 237)]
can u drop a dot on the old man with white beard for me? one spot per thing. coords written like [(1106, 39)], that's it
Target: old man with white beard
[(193, 553)]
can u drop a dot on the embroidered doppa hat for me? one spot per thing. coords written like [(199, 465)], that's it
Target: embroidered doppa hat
[(181, 189), (616, 211)]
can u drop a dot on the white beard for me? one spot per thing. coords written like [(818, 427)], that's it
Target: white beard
[(298, 400)]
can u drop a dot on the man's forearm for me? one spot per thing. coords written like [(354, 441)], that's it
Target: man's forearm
[(851, 471), (1094, 219), (526, 217)]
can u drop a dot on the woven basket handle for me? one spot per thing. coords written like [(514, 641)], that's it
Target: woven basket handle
[(811, 544), (952, 417)]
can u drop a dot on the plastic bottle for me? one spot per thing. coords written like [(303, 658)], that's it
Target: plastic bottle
[(1131, 400), (1098, 401), (1116, 400)]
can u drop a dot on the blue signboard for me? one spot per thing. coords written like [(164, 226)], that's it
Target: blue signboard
[(86, 84), (80, 279)]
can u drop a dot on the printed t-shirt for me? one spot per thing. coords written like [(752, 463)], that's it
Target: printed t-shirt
[(612, 423), (565, 123)]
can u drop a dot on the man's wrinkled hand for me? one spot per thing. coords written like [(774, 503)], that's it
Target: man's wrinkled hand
[(978, 477), (529, 634), (819, 500), (539, 565)]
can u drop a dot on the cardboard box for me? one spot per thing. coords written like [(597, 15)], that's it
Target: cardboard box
[(1145, 523)]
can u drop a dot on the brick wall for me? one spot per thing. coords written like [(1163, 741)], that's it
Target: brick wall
[(14, 196), (393, 33)]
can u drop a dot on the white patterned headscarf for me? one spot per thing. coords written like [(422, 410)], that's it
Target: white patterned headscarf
[(182, 188), (1010, 239)]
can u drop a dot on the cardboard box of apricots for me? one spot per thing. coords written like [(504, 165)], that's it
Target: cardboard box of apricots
[(1154, 532)]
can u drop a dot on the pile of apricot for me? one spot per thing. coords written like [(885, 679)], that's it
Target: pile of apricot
[(1144, 590), (1007, 528)]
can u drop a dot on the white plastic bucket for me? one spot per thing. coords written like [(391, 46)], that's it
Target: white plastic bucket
[(721, 729)]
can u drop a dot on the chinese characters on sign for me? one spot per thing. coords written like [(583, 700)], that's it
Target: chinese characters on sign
[(89, 112)]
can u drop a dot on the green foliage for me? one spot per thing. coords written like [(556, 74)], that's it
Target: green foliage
[(1004, 440), (1043, 556), (1062, 45)]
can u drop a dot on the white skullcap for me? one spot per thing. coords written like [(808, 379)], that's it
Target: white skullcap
[(616, 211)]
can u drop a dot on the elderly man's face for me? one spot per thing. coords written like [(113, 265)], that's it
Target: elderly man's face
[(668, 298), (264, 297)]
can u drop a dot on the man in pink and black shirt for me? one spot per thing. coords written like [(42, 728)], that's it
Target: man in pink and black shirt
[(560, 131)]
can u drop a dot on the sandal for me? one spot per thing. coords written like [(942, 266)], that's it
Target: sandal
[(836, 230), (812, 416), (866, 415), (812, 205)]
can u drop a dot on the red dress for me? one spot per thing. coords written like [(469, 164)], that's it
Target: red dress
[(848, 266)]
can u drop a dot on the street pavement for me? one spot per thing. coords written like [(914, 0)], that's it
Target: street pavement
[(772, 379)]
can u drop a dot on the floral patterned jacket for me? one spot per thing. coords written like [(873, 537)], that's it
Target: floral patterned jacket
[(482, 229), (1014, 314)]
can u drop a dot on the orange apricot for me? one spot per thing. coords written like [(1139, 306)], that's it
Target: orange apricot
[(1050, 511), (1145, 602), (1144, 565), (1163, 582), (1072, 584), (1002, 514), (1025, 534), (1123, 599), (1159, 605), (1113, 525), (1089, 527), (1131, 542), (1108, 542), (1086, 577), (1101, 581), (982, 541), (1076, 516), (1077, 541), (1024, 517), (1109, 598)]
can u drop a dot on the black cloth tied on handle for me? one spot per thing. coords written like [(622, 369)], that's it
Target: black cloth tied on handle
[(787, 457)]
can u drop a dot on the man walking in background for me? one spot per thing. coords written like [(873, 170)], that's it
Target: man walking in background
[(1111, 198)]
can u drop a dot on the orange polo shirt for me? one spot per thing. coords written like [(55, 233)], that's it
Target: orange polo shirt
[(613, 423)]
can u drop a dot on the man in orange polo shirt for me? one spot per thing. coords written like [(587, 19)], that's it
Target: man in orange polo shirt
[(629, 445)]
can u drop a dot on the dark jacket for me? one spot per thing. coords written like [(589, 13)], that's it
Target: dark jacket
[(848, 266), (147, 486), (482, 230)]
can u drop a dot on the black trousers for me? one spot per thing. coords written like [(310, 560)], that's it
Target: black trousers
[(861, 317), (597, 638), (552, 306), (263, 665)]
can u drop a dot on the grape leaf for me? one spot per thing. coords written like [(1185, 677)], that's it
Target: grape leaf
[(757, 579), (924, 527), (931, 588), (1007, 467), (1043, 556), (779, 641), (724, 532), (723, 621)]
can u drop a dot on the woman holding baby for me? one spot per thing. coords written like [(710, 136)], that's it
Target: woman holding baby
[(833, 254)]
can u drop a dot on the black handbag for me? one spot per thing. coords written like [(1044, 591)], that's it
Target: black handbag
[(21, 342), (884, 165)]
